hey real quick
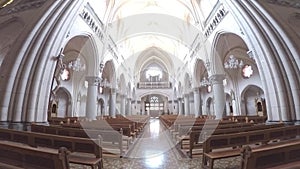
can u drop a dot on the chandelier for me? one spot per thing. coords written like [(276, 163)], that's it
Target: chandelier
[(233, 63), (204, 82), (104, 83), (77, 65)]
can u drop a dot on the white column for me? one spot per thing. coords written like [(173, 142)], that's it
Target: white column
[(180, 112), (191, 100), (136, 107), (91, 102), (172, 110), (201, 106), (123, 102), (196, 102), (219, 95), (201, 103), (112, 106), (176, 108), (186, 105), (129, 111), (166, 105), (106, 105), (77, 111), (143, 106), (234, 109)]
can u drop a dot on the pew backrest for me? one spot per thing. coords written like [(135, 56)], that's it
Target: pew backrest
[(250, 137), (73, 144), (270, 155), (28, 157)]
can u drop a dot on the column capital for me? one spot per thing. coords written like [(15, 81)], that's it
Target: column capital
[(196, 90), (92, 80), (217, 78)]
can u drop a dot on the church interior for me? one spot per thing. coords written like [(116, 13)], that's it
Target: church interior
[(156, 84)]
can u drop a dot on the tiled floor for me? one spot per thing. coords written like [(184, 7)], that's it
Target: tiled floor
[(155, 150)]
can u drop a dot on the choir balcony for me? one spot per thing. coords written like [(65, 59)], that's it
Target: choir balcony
[(154, 85)]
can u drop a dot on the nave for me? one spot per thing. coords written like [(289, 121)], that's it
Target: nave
[(155, 149), (107, 61), (152, 149), (167, 142)]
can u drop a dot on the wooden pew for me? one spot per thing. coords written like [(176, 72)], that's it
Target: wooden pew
[(128, 129), (85, 151), (112, 140), (59, 120), (22, 156), (223, 144), (271, 155), (184, 130), (119, 122), (201, 123), (197, 137), (137, 122), (243, 118)]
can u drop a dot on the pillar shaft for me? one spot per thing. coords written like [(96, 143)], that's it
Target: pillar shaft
[(219, 95), (186, 105), (129, 111), (197, 102), (91, 102), (123, 102), (180, 112), (112, 104)]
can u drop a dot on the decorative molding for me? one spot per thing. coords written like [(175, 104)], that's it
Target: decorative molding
[(92, 80), (217, 78), (94, 22), (215, 21)]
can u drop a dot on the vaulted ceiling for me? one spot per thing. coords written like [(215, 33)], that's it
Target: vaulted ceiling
[(137, 25)]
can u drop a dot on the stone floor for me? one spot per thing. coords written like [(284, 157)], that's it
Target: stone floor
[(155, 150), (125, 163)]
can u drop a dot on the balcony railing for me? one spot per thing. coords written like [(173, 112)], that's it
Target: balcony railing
[(154, 85)]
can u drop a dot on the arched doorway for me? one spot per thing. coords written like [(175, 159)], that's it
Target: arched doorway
[(63, 103), (155, 105), (251, 95), (209, 106), (100, 111), (229, 106), (75, 62)]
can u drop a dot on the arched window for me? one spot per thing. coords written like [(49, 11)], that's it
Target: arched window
[(247, 71), (154, 74), (155, 104)]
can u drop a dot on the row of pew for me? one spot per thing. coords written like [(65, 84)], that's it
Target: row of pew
[(65, 140), (258, 142), (118, 133), (28, 157), (84, 151)]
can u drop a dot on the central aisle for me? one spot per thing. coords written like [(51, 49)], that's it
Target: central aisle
[(153, 142), (154, 149)]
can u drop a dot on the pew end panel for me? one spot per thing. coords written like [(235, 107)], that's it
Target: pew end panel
[(27, 157)]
